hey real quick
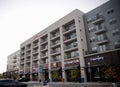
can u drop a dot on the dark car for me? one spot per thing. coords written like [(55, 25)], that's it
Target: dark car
[(11, 83), (24, 80)]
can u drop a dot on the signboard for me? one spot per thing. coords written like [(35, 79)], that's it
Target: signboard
[(98, 58), (71, 62)]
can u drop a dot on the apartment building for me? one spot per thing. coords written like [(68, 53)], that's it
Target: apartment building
[(13, 63), (55, 50), (102, 26), (84, 42)]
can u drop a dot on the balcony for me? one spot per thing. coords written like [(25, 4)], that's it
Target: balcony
[(28, 60), (56, 50), (35, 52), (22, 62), (44, 40), (56, 58), (43, 50), (70, 39), (71, 56), (55, 36), (35, 58), (54, 45), (22, 52), (22, 57), (44, 61), (102, 41), (100, 30), (27, 69), (69, 29), (98, 19), (44, 56), (35, 45), (70, 48), (53, 53), (28, 49)]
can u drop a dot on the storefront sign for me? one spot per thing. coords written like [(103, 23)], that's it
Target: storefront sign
[(97, 58), (71, 62)]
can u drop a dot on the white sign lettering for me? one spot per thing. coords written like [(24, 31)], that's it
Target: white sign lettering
[(96, 59), (70, 62)]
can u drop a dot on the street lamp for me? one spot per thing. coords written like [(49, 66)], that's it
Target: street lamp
[(89, 70)]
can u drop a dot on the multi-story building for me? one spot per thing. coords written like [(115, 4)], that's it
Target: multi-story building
[(56, 50), (84, 42), (13, 63), (102, 26)]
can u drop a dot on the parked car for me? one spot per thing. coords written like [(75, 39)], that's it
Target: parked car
[(24, 79), (11, 83)]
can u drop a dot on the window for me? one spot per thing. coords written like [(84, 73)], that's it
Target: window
[(117, 44), (99, 26), (101, 37), (92, 39), (102, 48), (116, 31), (91, 29), (111, 10), (57, 58), (74, 54), (89, 20), (112, 21), (94, 49)]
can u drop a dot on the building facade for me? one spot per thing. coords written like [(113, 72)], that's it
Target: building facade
[(13, 64), (56, 50), (79, 43), (102, 26)]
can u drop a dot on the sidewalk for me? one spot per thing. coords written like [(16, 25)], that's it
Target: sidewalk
[(40, 86), (46, 86)]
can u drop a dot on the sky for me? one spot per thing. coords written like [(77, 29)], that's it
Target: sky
[(21, 19)]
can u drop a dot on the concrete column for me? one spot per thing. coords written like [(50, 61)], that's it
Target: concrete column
[(39, 60), (82, 45), (62, 53), (31, 64), (49, 58)]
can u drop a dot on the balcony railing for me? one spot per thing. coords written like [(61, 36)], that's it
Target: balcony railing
[(70, 46), (71, 56), (98, 19), (44, 55), (44, 40), (69, 28), (69, 37), (55, 35), (100, 30), (44, 47), (102, 41)]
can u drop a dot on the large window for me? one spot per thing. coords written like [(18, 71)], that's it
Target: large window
[(101, 37), (103, 48)]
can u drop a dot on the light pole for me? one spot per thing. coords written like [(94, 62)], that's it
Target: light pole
[(89, 70)]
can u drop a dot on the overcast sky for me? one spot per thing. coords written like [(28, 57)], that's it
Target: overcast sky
[(21, 19)]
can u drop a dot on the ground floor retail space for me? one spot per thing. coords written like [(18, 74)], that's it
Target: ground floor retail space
[(103, 66)]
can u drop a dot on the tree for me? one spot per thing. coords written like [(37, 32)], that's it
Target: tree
[(74, 73), (55, 75), (1, 76), (110, 72)]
